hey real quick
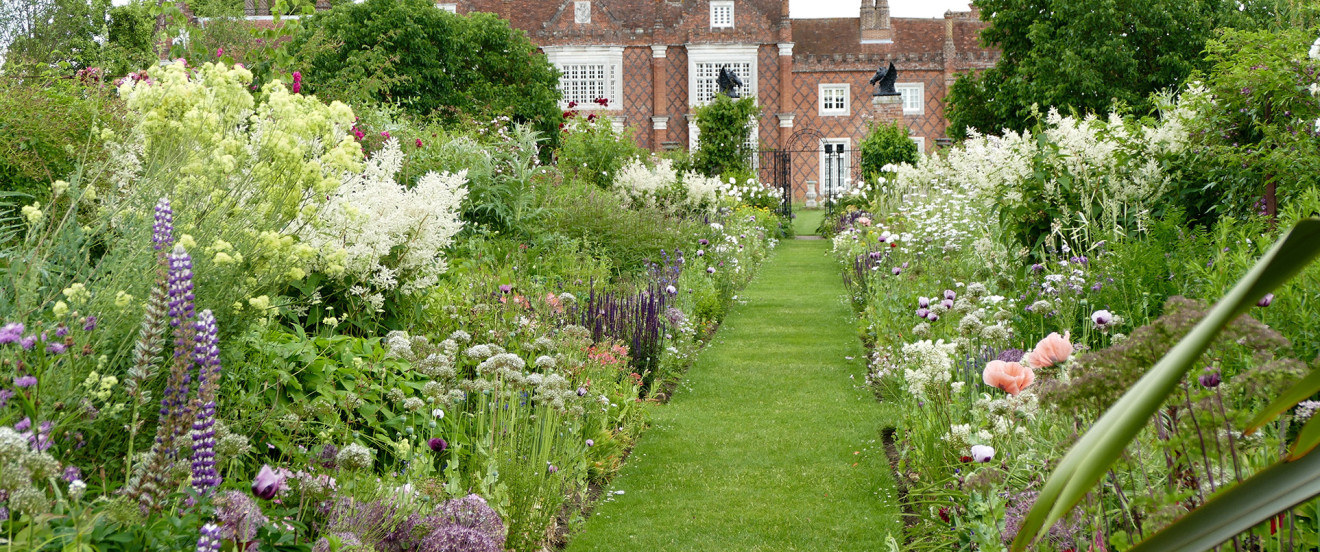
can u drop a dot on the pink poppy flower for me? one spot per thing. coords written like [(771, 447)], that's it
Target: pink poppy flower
[(1050, 351), (1011, 377)]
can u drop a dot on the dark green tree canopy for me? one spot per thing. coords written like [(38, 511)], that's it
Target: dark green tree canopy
[(1085, 56), (434, 63)]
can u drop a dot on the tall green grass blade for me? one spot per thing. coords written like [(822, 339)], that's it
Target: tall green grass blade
[(1090, 458), (1299, 392), (1307, 439), (1272, 490)]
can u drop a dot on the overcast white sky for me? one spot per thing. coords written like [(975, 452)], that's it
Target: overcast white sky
[(850, 8)]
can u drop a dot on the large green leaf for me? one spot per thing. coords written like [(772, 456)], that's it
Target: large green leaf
[(1272, 490), (1299, 392), (1090, 458)]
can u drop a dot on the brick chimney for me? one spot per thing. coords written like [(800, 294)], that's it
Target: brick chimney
[(875, 21)]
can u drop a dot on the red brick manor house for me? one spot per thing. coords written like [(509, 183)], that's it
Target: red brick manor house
[(657, 59)]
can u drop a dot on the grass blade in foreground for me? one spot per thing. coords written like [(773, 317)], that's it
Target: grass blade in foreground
[(1092, 455), (1273, 490)]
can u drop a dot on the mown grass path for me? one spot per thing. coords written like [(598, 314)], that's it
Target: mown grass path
[(772, 442)]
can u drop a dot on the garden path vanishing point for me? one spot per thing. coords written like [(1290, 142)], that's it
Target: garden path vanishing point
[(772, 442)]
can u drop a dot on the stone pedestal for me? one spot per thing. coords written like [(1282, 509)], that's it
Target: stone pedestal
[(811, 194), (888, 109)]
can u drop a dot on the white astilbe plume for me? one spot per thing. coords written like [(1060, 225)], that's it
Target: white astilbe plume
[(377, 232), (641, 184)]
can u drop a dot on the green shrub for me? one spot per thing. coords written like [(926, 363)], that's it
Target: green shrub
[(724, 126), (886, 144), (593, 152), (631, 238)]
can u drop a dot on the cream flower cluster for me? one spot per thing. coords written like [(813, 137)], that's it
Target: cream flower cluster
[(384, 235), (929, 366)]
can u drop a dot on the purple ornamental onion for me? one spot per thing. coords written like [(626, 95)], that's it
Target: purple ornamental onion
[(162, 234), (267, 483), (1266, 300), (11, 333), (437, 444), (1211, 378)]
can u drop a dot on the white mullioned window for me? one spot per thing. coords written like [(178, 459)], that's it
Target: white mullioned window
[(835, 166), (451, 8), (704, 63), (914, 97), (921, 144), (721, 14), (834, 99), (588, 73)]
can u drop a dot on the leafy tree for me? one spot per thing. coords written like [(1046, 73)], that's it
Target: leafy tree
[(434, 63), (1082, 56), (79, 34), (723, 127), (886, 144)]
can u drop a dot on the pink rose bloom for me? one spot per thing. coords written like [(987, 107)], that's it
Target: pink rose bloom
[(1011, 377), (864, 221), (1050, 351)]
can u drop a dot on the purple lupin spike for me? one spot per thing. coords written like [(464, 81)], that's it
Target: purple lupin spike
[(162, 233), (174, 401), (206, 355), (209, 541)]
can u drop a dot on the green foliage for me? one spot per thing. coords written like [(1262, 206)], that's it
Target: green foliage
[(1081, 56), (455, 67), (630, 237), (886, 144), (591, 151), (723, 127), (1255, 125)]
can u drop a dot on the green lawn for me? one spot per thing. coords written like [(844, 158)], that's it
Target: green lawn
[(772, 442)]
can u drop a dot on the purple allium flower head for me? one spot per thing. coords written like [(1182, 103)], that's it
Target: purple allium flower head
[(56, 348), (28, 342), (327, 457), (456, 538), (1211, 378), (89, 324), (23, 382), (437, 444), (1266, 300), (923, 302), (267, 483), (239, 516), (1011, 355), (209, 540), (474, 513), (11, 333), (162, 234)]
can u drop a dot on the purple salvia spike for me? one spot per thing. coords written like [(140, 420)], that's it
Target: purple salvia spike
[(162, 234), (206, 356)]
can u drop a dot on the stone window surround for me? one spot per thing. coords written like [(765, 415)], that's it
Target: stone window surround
[(721, 14), (847, 99), (449, 7), (609, 56), (720, 53), (920, 88), (846, 161)]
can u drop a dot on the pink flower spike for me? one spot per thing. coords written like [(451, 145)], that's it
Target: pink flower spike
[(219, 52)]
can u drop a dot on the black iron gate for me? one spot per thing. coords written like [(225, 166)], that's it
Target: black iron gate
[(815, 177), (776, 170)]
